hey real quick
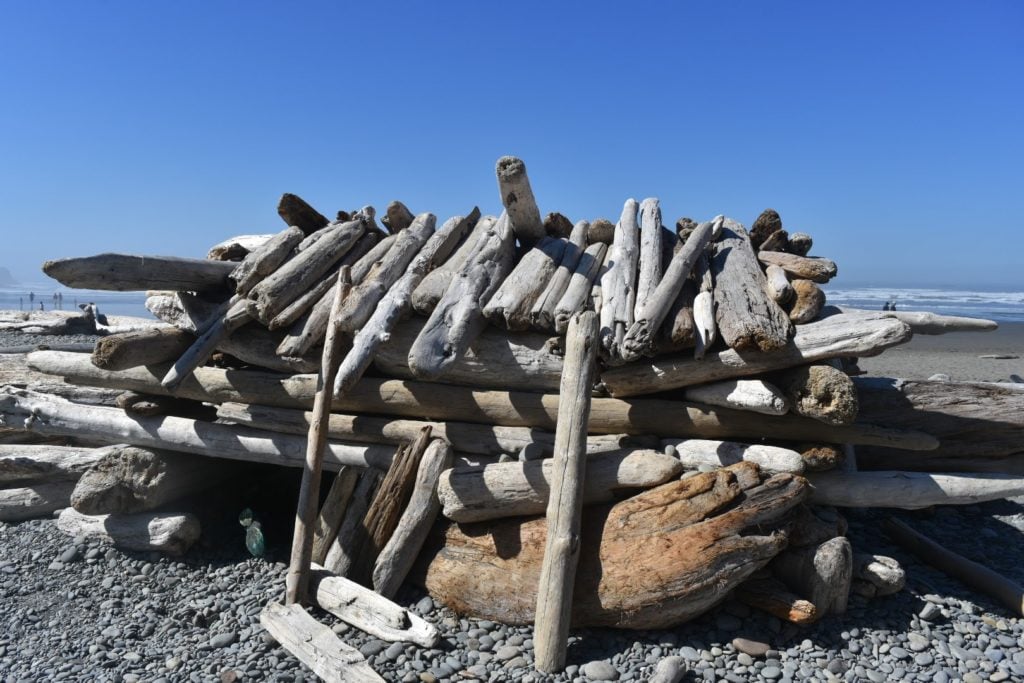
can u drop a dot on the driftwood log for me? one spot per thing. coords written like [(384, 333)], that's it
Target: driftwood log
[(696, 453), (332, 512), (122, 272), (755, 395), (294, 210), (542, 315), (164, 532), (34, 500), (141, 347), (821, 574), (577, 292), (803, 267), (41, 462), (517, 197), (511, 304), (351, 536), (910, 490)]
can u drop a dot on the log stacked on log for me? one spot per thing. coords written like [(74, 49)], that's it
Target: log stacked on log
[(718, 386)]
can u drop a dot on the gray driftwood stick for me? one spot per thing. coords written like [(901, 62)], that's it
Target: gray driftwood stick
[(204, 346), (126, 273), (396, 304), (294, 210), (23, 464), (458, 318), (577, 292), (747, 318), (513, 300), (265, 259), (316, 645), (403, 547), (618, 283), (433, 285), (351, 535), (517, 198), (141, 347), (695, 453), (832, 337), (165, 532), (804, 267), (332, 512), (910, 490), (542, 315), (511, 489), (742, 394), (34, 500), (923, 322), (649, 267), (402, 398), (653, 307), (565, 502)]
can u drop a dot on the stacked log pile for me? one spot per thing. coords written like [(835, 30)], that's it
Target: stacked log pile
[(573, 400)]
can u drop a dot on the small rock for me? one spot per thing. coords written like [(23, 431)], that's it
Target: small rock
[(930, 611), (771, 672), (223, 639), (598, 670), (69, 555), (754, 648)]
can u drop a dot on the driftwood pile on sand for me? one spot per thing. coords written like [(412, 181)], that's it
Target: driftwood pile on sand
[(539, 420)]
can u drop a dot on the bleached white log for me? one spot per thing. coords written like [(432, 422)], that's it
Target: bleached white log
[(513, 300), (430, 290), (696, 453), (804, 267), (618, 283), (123, 272), (204, 346), (577, 292), (511, 489), (316, 645), (649, 263), (756, 395), (542, 315), (399, 554), (29, 463), (778, 284), (265, 259), (34, 500), (517, 197), (165, 532), (923, 322), (705, 327), (235, 248), (910, 490)]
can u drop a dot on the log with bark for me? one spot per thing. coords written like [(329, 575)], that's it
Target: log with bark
[(165, 532), (141, 347)]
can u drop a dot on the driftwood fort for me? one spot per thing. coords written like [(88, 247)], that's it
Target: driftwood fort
[(587, 423)]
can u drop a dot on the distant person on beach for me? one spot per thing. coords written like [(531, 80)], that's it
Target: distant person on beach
[(60, 300), (31, 297), (21, 303), (41, 307), (887, 306)]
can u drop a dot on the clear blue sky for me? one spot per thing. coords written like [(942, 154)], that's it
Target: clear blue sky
[(893, 132)]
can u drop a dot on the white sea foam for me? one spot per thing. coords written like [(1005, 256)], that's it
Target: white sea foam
[(1006, 306)]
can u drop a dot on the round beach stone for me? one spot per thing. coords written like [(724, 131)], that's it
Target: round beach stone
[(599, 670)]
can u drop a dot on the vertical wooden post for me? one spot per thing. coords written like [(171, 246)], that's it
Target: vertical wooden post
[(297, 579), (565, 506)]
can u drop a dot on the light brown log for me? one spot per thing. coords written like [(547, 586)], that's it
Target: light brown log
[(923, 322), (265, 259), (804, 267), (877, 575), (332, 512), (430, 290), (618, 284), (458, 318), (34, 500), (514, 298), (141, 347), (517, 197), (123, 272), (293, 210), (512, 409), (510, 489), (542, 315), (397, 217), (747, 318), (24, 464), (687, 535), (649, 263), (273, 294), (833, 337), (399, 554), (577, 292), (807, 302), (755, 395), (53, 416), (127, 479), (369, 611), (975, 575), (351, 537), (910, 490), (315, 645), (820, 392), (695, 453), (821, 573), (768, 594), (165, 532), (565, 500), (779, 287)]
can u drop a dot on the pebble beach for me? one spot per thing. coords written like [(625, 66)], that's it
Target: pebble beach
[(72, 609)]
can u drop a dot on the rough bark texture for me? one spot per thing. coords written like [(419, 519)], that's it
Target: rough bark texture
[(141, 347), (293, 210), (820, 392)]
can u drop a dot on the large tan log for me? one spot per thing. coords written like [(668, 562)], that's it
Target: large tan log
[(510, 489), (332, 512), (803, 267), (513, 300), (297, 578), (822, 573), (359, 305), (316, 645), (975, 575), (652, 308), (399, 555), (923, 322), (747, 318), (542, 315), (577, 292), (204, 346), (464, 437), (833, 337), (351, 537), (127, 479), (165, 532), (369, 611), (695, 453), (618, 283), (807, 302), (20, 464), (687, 535), (820, 392), (141, 347), (35, 500), (293, 210), (565, 500), (512, 409), (741, 394), (458, 318), (910, 490), (265, 259), (517, 197), (769, 594), (125, 273), (649, 263), (53, 416), (397, 217), (273, 294), (396, 304), (430, 290)]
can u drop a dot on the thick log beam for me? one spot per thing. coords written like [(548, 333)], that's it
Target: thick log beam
[(141, 347), (910, 490), (23, 464), (34, 500), (923, 322), (126, 273)]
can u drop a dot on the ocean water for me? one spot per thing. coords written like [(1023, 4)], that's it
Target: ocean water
[(17, 297), (1001, 306)]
